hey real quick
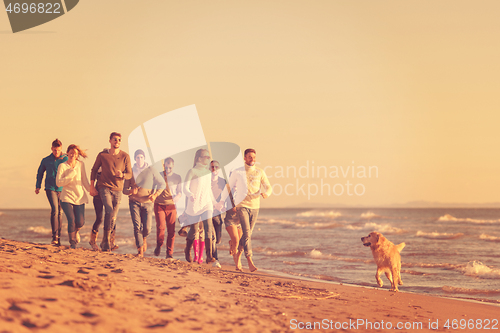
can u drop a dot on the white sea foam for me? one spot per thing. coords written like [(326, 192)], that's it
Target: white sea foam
[(315, 254), (438, 235), (489, 238), (369, 215), (316, 213), (40, 230), (276, 221), (382, 228), (478, 269), (448, 217), (467, 291)]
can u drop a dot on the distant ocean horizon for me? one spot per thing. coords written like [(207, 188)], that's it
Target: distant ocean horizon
[(450, 252)]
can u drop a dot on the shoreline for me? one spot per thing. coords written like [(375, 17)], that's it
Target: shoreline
[(304, 278), (48, 287)]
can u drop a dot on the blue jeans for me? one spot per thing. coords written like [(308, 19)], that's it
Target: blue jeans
[(248, 217), (55, 212), (142, 217), (75, 214), (111, 201)]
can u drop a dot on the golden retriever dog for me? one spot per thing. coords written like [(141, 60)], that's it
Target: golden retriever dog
[(387, 258)]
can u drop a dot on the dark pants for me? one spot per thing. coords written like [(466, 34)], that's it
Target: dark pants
[(98, 208), (55, 212), (217, 221)]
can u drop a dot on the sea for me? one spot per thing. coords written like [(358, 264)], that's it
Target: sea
[(449, 252)]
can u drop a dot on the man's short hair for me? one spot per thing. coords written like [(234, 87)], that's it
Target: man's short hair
[(139, 152), (249, 150), (168, 160), (56, 143), (114, 134)]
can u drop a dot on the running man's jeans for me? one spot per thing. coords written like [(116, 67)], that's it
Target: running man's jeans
[(55, 212), (111, 201), (248, 217), (142, 217)]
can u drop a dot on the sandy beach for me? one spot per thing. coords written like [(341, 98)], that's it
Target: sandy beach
[(58, 289)]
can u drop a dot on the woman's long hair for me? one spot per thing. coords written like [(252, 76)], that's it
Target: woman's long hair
[(197, 155), (81, 152)]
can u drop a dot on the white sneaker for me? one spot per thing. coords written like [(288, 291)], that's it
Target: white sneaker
[(216, 264)]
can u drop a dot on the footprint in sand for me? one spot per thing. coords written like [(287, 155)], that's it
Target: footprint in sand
[(46, 276), (88, 314), (163, 323)]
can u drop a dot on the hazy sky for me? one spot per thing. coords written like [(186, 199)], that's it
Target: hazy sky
[(407, 87)]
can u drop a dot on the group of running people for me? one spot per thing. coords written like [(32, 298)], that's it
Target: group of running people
[(210, 202)]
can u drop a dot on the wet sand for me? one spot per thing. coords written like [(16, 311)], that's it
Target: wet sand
[(56, 289)]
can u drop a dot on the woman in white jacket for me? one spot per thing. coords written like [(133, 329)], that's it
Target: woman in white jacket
[(72, 177), (200, 203)]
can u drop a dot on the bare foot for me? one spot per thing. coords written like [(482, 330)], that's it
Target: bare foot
[(251, 266), (237, 261)]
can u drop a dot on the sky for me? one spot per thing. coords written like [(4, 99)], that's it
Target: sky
[(406, 89)]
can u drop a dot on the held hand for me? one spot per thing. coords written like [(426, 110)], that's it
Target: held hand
[(93, 191), (134, 190), (152, 197), (119, 174), (37, 191)]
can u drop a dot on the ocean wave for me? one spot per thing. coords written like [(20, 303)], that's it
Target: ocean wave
[(448, 218), (489, 238), (315, 213), (431, 265), (478, 269), (468, 291), (294, 263), (40, 230), (406, 271), (369, 215), (276, 221), (382, 228), (317, 277), (325, 225), (438, 235)]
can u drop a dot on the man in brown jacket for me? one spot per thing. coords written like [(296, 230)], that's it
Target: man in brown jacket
[(115, 168)]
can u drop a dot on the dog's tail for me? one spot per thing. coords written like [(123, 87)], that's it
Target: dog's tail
[(400, 247)]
